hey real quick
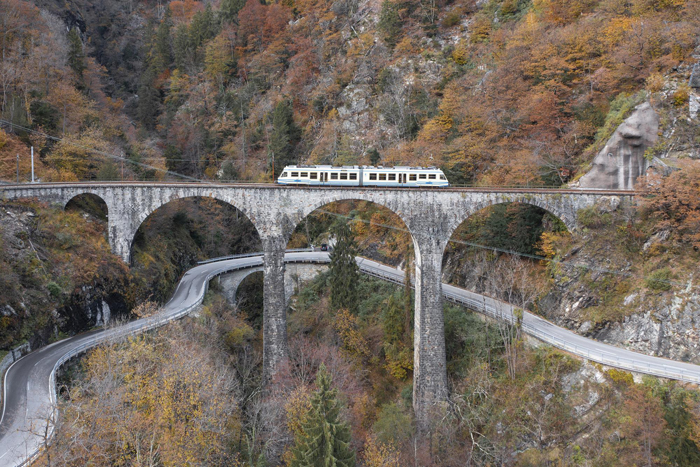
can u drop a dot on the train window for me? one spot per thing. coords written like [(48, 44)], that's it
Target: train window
[(313, 175), (295, 174), (421, 176), (343, 176), (284, 174), (372, 176), (412, 177), (334, 176), (392, 177), (353, 176), (382, 176), (442, 177), (304, 174), (431, 176)]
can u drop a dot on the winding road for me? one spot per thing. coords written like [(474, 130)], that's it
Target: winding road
[(29, 402)]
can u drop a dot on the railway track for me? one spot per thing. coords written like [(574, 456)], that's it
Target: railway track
[(274, 186)]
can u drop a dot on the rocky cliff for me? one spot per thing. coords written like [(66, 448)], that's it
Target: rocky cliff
[(48, 286)]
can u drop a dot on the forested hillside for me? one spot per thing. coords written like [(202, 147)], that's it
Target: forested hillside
[(509, 92)]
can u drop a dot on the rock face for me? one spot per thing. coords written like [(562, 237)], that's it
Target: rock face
[(85, 308), (622, 160), (694, 101), (668, 329)]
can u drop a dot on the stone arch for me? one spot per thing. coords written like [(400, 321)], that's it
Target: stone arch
[(307, 210), (94, 197), (478, 206), (141, 216)]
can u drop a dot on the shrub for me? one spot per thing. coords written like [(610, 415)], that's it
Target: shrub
[(681, 96), (659, 280), (54, 289), (592, 218), (452, 19), (620, 377), (655, 82)]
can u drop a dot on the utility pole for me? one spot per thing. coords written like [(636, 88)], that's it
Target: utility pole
[(18, 168), (32, 164)]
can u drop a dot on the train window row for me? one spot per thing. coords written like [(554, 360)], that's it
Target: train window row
[(314, 175), (372, 176)]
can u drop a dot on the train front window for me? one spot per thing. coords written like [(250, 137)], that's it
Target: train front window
[(412, 177), (442, 177), (431, 176), (334, 176), (353, 176), (295, 174), (343, 176), (313, 175), (372, 176), (382, 177), (284, 174)]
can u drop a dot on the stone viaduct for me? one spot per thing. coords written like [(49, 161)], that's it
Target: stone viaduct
[(430, 215)]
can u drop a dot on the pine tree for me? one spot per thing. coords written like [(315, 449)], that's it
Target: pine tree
[(344, 272), (149, 100), (229, 10), (325, 441), (162, 54), (284, 137), (76, 55), (374, 156)]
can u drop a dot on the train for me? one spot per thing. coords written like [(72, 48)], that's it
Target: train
[(327, 175)]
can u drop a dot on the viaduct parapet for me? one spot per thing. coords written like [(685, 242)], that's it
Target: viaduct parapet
[(431, 216)]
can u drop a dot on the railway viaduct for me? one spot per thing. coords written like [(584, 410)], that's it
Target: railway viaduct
[(430, 215)]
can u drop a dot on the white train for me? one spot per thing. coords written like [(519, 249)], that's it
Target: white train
[(326, 175)]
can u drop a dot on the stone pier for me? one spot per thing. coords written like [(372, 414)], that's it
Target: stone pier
[(431, 216)]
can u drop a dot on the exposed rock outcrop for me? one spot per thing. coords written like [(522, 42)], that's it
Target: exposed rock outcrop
[(622, 160), (694, 99)]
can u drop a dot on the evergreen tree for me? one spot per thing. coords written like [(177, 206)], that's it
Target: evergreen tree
[(203, 27), (374, 156), (344, 272), (162, 53), (284, 137), (76, 55), (326, 439), (229, 10), (390, 23), (149, 100), (182, 47)]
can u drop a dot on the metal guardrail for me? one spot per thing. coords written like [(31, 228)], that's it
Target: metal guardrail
[(599, 356), (250, 255), (147, 324)]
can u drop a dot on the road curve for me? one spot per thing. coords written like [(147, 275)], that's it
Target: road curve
[(29, 402)]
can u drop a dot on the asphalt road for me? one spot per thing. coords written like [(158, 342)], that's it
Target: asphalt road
[(29, 384)]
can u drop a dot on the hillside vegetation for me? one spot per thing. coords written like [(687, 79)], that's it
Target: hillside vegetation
[(498, 92)]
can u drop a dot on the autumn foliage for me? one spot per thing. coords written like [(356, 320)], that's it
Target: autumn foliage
[(673, 202)]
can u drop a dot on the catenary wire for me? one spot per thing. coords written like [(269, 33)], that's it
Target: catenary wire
[(474, 245)]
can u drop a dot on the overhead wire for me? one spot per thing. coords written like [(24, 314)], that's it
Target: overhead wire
[(518, 253), (102, 153), (463, 242)]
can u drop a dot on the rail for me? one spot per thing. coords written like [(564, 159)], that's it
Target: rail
[(250, 184)]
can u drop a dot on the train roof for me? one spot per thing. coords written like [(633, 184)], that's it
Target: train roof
[(399, 167)]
